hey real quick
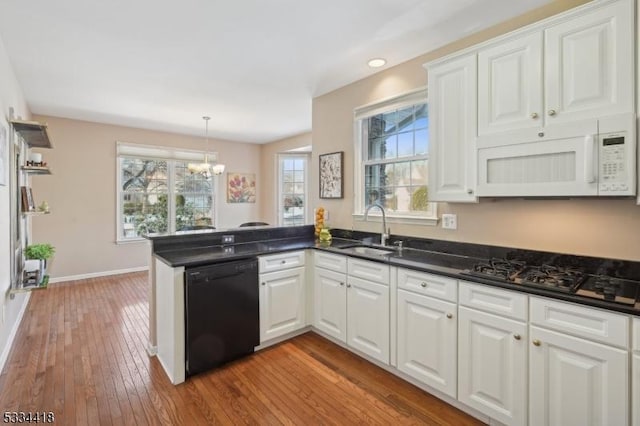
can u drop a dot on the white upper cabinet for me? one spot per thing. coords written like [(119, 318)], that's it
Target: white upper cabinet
[(510, 86), (452, 129), (548, 82), (589, 65)]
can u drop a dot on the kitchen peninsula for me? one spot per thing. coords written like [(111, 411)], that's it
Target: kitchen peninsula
[(368, 298)]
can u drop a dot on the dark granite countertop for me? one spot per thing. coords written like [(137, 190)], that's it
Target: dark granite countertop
[(447, 264)]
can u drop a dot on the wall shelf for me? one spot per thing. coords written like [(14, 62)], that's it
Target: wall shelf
[(34, 134), (33, 170), (35, 213), (27, 288)]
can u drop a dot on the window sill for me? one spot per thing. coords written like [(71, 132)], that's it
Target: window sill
[(131, 241), (403, 220)]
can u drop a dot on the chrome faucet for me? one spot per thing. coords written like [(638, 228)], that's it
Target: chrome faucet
[(385, 232)]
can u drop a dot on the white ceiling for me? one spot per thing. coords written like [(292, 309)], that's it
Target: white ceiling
[(252, 65)]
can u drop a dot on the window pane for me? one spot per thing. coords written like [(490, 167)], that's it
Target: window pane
[(405, 119), (193, 199), (292, 190), (421, 118), (144, 207), (405, 144), (419, 198), (419, 172), (402, 173), (422, 142)]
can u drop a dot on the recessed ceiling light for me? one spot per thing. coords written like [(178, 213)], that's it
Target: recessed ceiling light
[(376, 62)]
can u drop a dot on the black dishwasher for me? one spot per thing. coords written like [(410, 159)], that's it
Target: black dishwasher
[(222, 320)]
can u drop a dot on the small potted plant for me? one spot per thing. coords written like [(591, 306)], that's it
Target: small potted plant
[(37, 256)]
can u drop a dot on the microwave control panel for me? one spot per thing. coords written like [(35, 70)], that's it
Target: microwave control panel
[(614, 155)]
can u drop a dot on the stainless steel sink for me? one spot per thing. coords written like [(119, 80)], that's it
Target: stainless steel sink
[(367, 251)]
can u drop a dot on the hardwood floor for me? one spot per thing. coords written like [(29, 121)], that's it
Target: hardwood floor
[(80, 353)]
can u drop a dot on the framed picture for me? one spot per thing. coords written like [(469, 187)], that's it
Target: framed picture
[(241, 187), (331, 175), (4, 155), (28, 205)]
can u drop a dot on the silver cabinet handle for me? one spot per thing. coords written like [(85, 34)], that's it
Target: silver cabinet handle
[(552, 112), (341, 283), (534, 115), (423, 284), (536, 342), (264, 283), (449, 316), (470, 191), (516, 336), (348, 285), (283, 262)]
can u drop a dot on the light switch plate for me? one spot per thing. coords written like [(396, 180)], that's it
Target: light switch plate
[(449, 221)]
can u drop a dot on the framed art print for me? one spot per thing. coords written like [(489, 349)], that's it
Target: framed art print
[(331, 175)]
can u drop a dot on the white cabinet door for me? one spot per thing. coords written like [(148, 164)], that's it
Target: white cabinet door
[(589, 65), (510, 86), (492, 365), (576, 382), (282, 302), (452, 129), (330, 303), (368, 318), (427, 340)]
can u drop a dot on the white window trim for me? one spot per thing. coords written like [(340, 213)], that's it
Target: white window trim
[(169, 154), (279, 181), (361, 113)]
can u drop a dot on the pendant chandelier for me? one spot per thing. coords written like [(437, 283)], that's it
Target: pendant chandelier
[(206, 169)]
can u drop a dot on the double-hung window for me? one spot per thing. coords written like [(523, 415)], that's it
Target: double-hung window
[(392, 158), (293, 189), (156, 192)]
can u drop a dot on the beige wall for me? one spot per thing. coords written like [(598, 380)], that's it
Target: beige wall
[(10, 96), (81, 193), (597, 227), (269, 159)]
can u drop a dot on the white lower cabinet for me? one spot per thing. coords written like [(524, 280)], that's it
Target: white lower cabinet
[(282, 301), (492, 365), (353, 307), (427, 340), (635, 373), (330, 303), (368, 318), (635, 389), (576, 382), (282, 295), (579, 365)]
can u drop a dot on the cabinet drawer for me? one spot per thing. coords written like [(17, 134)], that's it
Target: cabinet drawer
[(636, 334), (334, 262), (428, 284), (494, 300), (372, 271), (278, 262), (590, 323)]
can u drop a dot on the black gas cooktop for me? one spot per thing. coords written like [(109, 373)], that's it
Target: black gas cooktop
[(563, 279)]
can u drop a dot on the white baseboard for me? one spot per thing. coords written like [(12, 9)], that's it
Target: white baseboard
[(97, 274), (14, 332)]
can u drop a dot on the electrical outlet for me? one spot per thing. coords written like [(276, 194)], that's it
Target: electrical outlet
[(449, 221), (228, 239)]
